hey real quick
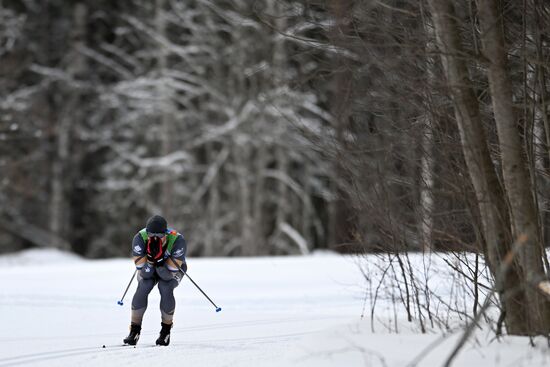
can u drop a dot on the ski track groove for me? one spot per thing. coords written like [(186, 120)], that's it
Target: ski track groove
[(183, 329), (63, 353), (195, 344), (115, 349)]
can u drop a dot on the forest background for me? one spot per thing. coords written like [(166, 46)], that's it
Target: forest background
[(274, 127), (264, 127)]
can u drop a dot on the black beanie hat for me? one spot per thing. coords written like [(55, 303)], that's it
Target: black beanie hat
[(156, 224)]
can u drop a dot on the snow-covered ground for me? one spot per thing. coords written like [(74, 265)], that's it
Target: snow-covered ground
[(59, 310)]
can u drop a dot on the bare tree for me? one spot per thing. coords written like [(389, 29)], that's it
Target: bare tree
[(519, 188)]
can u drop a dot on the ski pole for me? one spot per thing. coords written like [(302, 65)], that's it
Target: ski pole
[(218, 309), (126, 291)]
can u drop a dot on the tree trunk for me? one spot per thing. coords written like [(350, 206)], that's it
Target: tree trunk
[(165, 111), (514, 164), (426, 186), (307, 212), (340, 227), (60, 211), (542, 108), (489, 192), (212, 235), (427, 162), (245, 192), (259, 163)]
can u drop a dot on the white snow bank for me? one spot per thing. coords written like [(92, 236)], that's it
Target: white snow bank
[(276, 311), (39, 257), (354, 344)]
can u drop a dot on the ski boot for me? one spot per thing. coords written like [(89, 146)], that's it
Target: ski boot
[(133, 337), (164, 336)]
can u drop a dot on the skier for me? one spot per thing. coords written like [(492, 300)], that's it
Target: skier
[(157, 253)]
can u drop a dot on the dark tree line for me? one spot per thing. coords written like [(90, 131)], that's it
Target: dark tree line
[(277, 127), (112, 112)]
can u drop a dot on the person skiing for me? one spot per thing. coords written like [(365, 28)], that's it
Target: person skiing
[(157, 253)]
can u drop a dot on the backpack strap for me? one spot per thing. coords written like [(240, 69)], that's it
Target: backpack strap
[(171, 238), (143, 234)]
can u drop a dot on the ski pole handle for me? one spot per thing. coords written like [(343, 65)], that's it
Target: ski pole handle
[(120, 303), (218, 309)]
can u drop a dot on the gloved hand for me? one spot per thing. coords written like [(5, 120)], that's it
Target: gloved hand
[(154, 251), (148, 271), (178, 276), (164, 273)]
